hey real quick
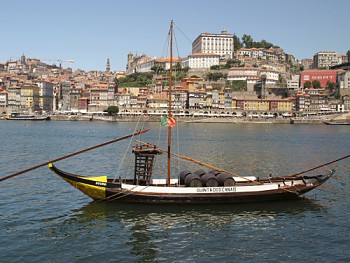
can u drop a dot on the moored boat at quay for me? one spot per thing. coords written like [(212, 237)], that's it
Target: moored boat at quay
[(337, 122), (25, 117)]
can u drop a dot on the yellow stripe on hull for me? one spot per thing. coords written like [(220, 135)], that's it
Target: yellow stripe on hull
[(95, 192)]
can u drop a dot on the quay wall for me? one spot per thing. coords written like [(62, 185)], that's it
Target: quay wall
[(187, 119)]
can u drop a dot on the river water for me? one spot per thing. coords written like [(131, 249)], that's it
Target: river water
[(44, 219)]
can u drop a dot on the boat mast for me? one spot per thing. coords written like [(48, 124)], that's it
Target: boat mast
[(170, 91)]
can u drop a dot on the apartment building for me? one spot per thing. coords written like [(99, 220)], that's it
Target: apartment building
[(29, 97), (203, 60), (252, 104), (252, 75), (343, 84), (3, 99), (323, 76), (326, 59), (311, 100)]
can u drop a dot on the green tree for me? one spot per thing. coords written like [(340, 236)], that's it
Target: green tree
[(316, 84), (247, 41), (266, 44), (307, 84), (330, 86), (214, 76), (215, 67), (112, 110), (348, 54), (237, 44), (157, 69)]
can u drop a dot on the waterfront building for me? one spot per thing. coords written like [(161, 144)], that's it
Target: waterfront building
[(215, 99), (99, 96), (311, 100), (220, 44), (326, 59), (141, 101), (158, 101), (30, 97), (123, 100), (196, 99), (179, 98), (228, 98), (255, 104), (343, 85), (83, 104), (14, 98), (112, 91), (3, 99), (64, 96), (75, 94), (46, 90)]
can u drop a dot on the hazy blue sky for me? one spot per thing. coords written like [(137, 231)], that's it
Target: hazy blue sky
[(89, 32)]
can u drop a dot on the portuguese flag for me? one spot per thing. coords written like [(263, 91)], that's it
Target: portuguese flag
[(168, 121)]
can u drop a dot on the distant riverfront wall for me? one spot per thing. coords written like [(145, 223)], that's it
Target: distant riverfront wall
[(231, 120)]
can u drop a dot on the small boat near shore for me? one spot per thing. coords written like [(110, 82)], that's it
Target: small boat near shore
[(24, 117), (337, 122)]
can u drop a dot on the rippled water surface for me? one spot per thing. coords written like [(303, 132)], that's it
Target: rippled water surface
[(44, 219)]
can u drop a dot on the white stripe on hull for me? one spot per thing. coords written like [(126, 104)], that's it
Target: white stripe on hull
[(199, 190)]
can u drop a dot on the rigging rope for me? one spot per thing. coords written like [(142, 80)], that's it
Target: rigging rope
[(305, 149), (125, 153)]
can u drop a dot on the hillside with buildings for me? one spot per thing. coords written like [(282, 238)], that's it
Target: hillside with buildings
[(219, 75)]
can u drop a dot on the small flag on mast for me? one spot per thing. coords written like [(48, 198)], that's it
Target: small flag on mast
[(168, 121)]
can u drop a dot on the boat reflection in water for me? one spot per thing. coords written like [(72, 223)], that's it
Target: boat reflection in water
[(149, 231)]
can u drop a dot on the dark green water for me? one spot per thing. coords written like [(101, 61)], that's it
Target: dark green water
[(43, 219)]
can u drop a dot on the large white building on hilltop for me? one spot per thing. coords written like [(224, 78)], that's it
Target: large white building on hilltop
[(220, 44)]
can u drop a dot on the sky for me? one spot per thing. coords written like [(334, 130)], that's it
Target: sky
[(92, 31)]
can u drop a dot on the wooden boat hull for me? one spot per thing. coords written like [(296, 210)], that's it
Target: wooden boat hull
[(337, 122), (29, 118), (99, 188)]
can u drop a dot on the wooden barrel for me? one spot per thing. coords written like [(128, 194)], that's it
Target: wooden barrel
[(209, 180), (183, 175), (214, 172), (225, 179), (199, 172), (193, 180)]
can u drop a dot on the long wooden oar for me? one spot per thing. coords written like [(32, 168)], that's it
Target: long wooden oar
[(72, 154), (319, 166)]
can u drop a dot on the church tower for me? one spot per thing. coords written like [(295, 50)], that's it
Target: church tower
[(108, 66)]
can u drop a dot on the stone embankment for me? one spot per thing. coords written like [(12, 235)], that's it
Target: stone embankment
[(232, 120)]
